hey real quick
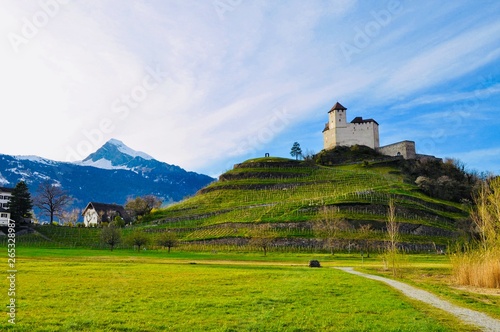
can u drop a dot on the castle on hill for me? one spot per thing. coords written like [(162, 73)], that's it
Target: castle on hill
[(339, 132)]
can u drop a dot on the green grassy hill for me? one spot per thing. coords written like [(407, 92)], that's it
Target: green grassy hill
[(290, 196)]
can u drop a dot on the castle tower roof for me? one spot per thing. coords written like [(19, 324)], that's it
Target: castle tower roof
[(337, 106)]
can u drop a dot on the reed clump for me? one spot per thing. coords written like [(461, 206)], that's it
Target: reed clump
[(477, 263), (477, 268)]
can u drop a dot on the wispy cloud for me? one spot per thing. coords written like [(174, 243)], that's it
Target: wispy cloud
[(450, 59), (453, 97)]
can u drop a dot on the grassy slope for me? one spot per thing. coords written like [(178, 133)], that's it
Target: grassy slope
[(289, 195), (283, 191)]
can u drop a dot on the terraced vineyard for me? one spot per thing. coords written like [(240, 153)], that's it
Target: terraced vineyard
[(289, 195)]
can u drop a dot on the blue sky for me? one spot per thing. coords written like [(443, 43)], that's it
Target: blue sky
[(206, 84)]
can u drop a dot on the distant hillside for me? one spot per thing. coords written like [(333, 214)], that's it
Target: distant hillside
[(290, 196), (110, 175)]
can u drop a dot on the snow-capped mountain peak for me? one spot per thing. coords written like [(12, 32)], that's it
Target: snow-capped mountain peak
[(118, 173), (114, 154), (128, 151)]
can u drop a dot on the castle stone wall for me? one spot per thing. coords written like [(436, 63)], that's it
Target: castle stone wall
[(352, 134), (358, 133), (329, 139), (406, 149)]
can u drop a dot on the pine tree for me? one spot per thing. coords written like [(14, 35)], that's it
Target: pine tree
[(20, 204), (296, 150)]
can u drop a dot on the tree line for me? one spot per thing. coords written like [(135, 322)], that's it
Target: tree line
[(50, 198), (52, 201)]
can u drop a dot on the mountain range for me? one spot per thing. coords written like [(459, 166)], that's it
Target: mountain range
[(112, 174)]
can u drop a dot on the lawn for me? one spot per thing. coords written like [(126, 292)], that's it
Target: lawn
[(95, 290)]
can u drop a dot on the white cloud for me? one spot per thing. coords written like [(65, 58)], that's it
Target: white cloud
[(225, 78)]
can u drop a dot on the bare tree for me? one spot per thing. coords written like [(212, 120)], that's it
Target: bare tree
[(486, 215), (262, 236), (138, 238), (328, 226), (364, 231), (392, 235), (51, 199), (167, 239), (141, 206), (111, 236), (70, 218)]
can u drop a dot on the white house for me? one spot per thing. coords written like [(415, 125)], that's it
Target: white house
[(95, 213), (4, 217), (5, 196)]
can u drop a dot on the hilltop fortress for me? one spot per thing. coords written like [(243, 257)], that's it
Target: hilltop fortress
[(339, 132)]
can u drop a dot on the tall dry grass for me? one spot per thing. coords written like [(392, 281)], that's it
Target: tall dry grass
[(479, 264), (477, 268)]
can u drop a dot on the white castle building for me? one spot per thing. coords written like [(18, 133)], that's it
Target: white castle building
[(339, 132)]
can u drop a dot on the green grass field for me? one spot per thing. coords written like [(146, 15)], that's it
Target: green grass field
[(96, 290)]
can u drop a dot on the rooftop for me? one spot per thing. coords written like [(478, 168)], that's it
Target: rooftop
[(337, 106), (6, 190), (359, 119)]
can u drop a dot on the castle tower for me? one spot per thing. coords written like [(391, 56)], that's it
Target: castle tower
[(337, 116), (339, 132), (336, 119)]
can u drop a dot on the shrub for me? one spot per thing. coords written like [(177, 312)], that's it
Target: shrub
[(314, 263)]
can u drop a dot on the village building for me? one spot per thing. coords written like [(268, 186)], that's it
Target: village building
[(5, 197), (95, 213), (4, 217)]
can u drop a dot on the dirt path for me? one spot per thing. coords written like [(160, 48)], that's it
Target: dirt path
[(483, 321)]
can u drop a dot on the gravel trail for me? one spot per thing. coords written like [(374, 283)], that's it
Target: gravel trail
[(481, 320)]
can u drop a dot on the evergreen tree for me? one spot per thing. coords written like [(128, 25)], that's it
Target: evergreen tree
[(20, 204), (296, 150)]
